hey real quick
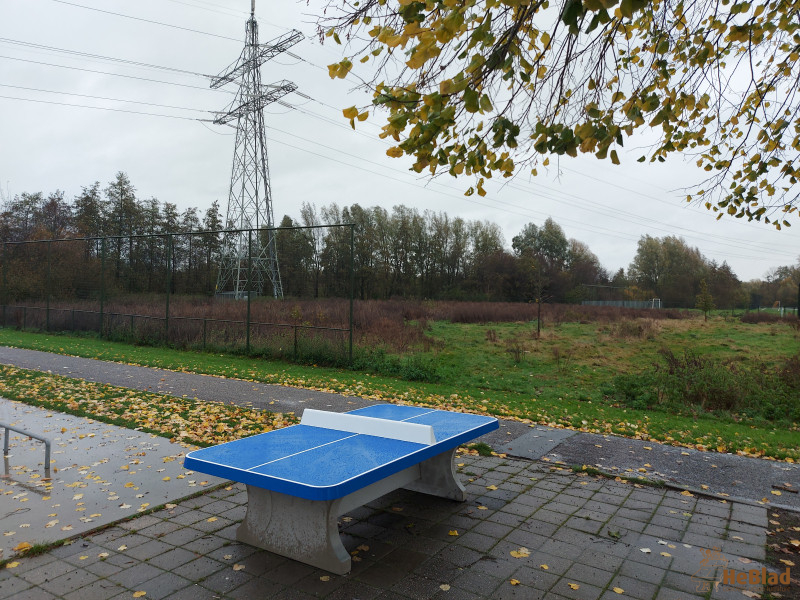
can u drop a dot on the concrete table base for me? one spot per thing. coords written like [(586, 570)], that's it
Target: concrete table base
[(307, 530)]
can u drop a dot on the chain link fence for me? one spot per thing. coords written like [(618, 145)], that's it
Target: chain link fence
[(164, 289)]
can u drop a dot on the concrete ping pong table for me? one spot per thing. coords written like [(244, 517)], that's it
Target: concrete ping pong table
[(300, 479)]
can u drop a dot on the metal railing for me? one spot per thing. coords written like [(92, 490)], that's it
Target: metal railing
[(35, 436)]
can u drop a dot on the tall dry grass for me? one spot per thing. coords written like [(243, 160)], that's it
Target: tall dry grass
[(397, 325)]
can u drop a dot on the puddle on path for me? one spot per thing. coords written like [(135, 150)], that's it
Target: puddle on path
[(99, 473)]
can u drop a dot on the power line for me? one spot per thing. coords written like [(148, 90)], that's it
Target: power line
[(30, 89), (153, 22), (185, 85), (654, 224), (738, 242), (238, 15), (150, 21), (633, 217), (528, 213), (134, 112), (100, 57)]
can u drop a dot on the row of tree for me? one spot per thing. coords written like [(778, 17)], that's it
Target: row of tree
[(402, 252)]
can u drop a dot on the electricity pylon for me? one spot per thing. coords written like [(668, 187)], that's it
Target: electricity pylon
[(247, 258)]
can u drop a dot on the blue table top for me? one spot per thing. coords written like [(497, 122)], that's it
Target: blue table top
[(323, 464)]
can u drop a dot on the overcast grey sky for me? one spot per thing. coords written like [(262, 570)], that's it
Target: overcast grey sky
[(52, 69)]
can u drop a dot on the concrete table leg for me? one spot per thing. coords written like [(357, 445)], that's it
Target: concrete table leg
[(304, 530), (438, 477)]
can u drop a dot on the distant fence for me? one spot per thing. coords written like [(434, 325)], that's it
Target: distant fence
[(654, 303), (161, 289)]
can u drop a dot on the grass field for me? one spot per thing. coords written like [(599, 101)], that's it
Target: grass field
[(569, 376)]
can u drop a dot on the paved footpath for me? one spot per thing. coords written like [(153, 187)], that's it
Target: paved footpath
[(530, 529)]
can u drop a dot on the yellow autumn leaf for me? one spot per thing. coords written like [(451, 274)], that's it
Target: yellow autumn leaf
[(325, 578), (491, 487), (238, 567), (350, 113), (775, 493), (453, 532), (514, 582), (667, 554), (520, 553), (574, 586), (483, 507), (12, 565), (395, 152), (22, 547), (618, 590), (687, 493), (788, 563), (444, 587), (545, 567), (211, 519), (139, 594)]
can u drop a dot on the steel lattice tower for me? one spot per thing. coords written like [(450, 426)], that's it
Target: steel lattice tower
[(250, 195)]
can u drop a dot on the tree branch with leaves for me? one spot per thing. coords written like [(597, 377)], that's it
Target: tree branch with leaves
[(496, 87)]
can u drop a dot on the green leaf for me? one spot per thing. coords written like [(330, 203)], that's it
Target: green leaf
[(572, 12), (471, 100)]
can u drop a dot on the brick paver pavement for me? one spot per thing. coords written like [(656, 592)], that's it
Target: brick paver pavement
[(572, 536)]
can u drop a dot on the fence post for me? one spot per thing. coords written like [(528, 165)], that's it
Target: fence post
[(204, 332), (249, 285), (102, 282), (170, 259), (48, 285), (352, 286), (5, 280)]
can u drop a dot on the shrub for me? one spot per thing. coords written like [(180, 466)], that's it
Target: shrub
[(636, 391), (759, 317), (414, 367), (516, 347), (562, 358), (639, 328), (691, 382)]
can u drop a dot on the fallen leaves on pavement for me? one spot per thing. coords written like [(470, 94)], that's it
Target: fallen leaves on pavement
[(188, 420)]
